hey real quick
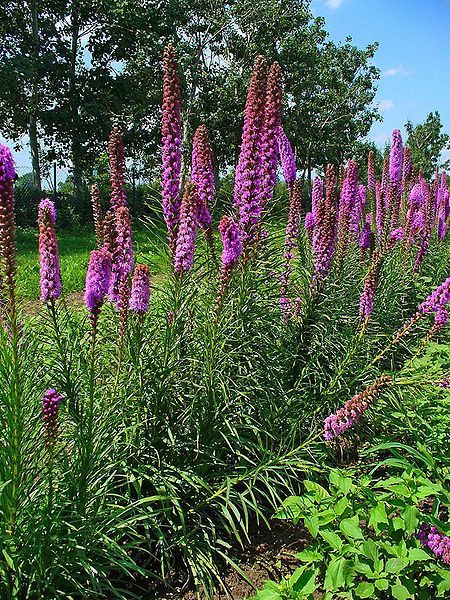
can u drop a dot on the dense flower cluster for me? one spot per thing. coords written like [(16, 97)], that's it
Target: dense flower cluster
[(353, 409), (7, 218), (287, 158), (370, 285), (187, 231), (324, 235), (248, 176), (122, 258), (202, 176), (50, 408), (232, 250), (270, 133), (290, 243), (117, 168), (97, 279), (50, 277), (97, 214), (171, 145), (140, 290), (349, 208), (436, 541)]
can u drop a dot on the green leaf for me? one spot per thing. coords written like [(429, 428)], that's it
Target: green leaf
[(417, 554), (411, 518), (370, 549), (351, 529), (306, 584), (309, 555), (364, 569), (312, 524), (400, 592), (444, 585), (378, 515), (331, 538), (365, 590), (268, 594), (341, 505), (319, 491), (341, 482), (336, 574), (382, 584), (395, 565)]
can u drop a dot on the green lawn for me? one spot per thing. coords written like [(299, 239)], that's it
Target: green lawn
[(74, 249)]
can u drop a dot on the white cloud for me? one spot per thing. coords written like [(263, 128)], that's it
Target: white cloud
[(385, 105), (400, 70), (334, 4)]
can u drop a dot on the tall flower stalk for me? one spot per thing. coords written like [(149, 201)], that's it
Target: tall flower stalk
[(171, 146), (270, 133), (187, 231), (232, 250), (202, 176), (290, 244), (117, 168), (97, 214), (324, 237), (48, 252), (249, 171)]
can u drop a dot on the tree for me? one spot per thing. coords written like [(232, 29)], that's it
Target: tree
[(427, 141)]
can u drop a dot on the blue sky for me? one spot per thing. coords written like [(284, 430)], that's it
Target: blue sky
[(412, 57)]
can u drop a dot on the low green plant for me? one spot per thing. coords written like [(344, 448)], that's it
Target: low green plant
[(364, 543)]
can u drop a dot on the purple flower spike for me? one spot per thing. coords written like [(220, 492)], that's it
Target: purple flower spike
[(395, 159), (371, 173), (97, 279), (202, 176), (140, 290), (370, 285), (271, 128), (353, 409), (171, 145), (249, 172), (7, 217), (232, 250), (122, 257), (50, 408), (287, 158), (117, 168), (48, 252), (187, 231)]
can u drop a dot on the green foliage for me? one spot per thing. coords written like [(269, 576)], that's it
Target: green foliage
[(427, 141), (363, 538)]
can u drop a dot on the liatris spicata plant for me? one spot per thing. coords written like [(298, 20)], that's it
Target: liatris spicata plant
[(436, 541), (109, 231), (428, 210), (97, 282), (48, 252), (406, 169), (310, 222), (287, 158), (290, 243), (395, 171), (140, 290), (202, 176), (50, 408), (370, 285), (270, 133), (232, 250), (442, 203), (352, 411), (122, 259), (248, 177), (349, 205), (380, 210), (371, 178), (325, 230), (7, 220), (171, 146), (97, 214), (366, 237), (187, 230), (117, 168)]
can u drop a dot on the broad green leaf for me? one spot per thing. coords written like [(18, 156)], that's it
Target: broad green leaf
[(341, 482), (336, 574), (395, 565), (365, 590), (411, 518), (378, 515), (319, 491), (312, 524), (444, 585), (351, 529), (382, 584), (400, 592), (417, 554), (370, 549), (340, 506), (306, 584), (331, 538), (309, 555)]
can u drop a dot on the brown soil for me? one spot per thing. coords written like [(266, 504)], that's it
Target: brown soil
[(270, 556)]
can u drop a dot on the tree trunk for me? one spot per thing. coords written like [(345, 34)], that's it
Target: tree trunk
[(32, 125)]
